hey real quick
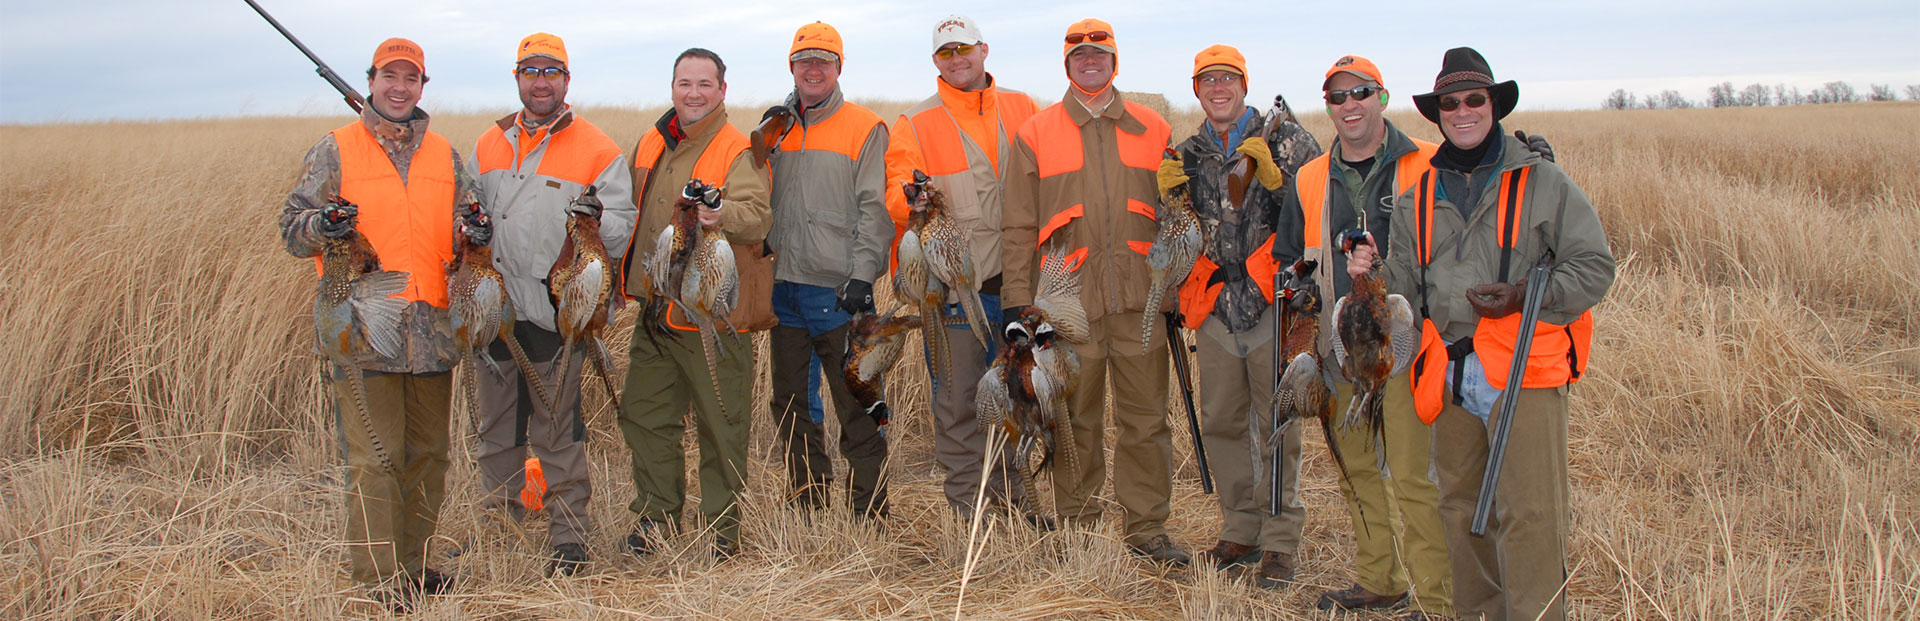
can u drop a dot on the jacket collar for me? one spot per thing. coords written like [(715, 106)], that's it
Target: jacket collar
[(1235, 134), (1115, 112), (819, 112), (978, 102), (395, 136), (701, 129), (511, 123)]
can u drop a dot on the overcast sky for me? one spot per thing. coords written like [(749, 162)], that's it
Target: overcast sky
[(121, 59)]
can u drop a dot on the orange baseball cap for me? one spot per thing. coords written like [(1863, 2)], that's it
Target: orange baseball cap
[(1220, 58), (817, 36), (542, 44), (1359, 66), (399, 49), (1092, 32)]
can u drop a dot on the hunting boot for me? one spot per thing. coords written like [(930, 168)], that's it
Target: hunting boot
[(568, 559), (1160, 549), (1227, 554), (1276, 570), (1357, 597)]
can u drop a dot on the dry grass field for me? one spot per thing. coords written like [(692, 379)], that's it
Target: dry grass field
[(1747, 444)]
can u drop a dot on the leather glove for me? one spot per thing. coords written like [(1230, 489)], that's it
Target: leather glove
[(588, 204), (1496, 299), (476, 225), (856, 296), (1172, 174), (1536, 143), (1269, 173), (775, 110), (337, 218)]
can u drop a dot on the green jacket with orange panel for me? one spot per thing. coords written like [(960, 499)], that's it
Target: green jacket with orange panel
[(716, 153), (829, 205), (526, 182), (1084, 182), (957, 137)]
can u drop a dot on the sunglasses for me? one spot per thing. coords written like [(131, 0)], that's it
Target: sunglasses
[(947, 53), (535, 73), (1473, 101), (1359, 93), (1225, 79), (1095, 36)]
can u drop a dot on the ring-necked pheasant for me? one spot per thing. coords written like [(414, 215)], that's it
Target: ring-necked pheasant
[(578, 287), (355, 312), (1303, 391), (1024, 395), (1175, 248), (480, 312), (1374, 340), (874, 343), (710, 284), (934, 258)]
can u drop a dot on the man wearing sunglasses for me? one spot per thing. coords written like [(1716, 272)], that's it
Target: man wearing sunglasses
[(1464, 239), (1236, 185), (1081, 177), (958, 137), (667, 368), (1371, 162), (407, 184), (831, 231), (530, 165)]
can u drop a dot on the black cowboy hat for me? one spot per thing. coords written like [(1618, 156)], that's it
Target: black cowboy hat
[(1464, 69)]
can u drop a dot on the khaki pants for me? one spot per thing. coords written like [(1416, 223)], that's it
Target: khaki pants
[(391, 514), (664, 379), (809, 473), (1236, 375), (1143, 453), (1403, 494), (1517, 570), (508, 409), (959, 444)]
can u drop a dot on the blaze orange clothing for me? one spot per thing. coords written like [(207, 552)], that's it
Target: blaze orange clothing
[(718, 156), (1311, 190), (956, 137), (829, 204), (410, 223), (1085, 181)]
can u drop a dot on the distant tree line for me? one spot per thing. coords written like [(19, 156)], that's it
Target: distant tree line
[(1723, 95)]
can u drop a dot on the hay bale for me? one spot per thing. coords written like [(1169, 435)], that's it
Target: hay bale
[(1156, 101)]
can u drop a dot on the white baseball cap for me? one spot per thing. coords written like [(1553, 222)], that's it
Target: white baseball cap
[(955, 29)]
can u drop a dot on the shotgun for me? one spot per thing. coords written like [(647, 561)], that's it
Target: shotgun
[(1280, 299), (354, 100), (1523, 343), (1177, 345)]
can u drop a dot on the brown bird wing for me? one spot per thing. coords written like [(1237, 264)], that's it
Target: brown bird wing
[(377, 311)]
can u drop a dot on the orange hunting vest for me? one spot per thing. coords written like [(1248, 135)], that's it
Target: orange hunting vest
[(410, 225), (711, 167), (1559, 353), (1313, 196)]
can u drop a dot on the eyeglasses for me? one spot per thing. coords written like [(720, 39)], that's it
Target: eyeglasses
[(1095, 36), (1473, 101), (1359, 93), (947, 53), (535, 73), (1223, 79)]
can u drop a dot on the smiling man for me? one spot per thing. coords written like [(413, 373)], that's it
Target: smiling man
[(1081, 176), (667, 369), (1466, 235), (530, 165), (959, 137), (406, 181), (831, 232), (1228, 299)]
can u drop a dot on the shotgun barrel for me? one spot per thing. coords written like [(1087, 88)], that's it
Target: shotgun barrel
[(1177, 345), (1523, 343), (354, 100)]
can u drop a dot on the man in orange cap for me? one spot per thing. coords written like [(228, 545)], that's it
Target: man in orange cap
[(1081, 176), (959, 137), (1371, 162), (1237, 187), (529, 166), (396, 448), (831, 231)]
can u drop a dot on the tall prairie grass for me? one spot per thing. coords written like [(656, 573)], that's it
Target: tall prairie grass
[(1746, 445)]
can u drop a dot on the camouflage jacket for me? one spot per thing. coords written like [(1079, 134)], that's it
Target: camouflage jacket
[(1234, 232), (429, 336)]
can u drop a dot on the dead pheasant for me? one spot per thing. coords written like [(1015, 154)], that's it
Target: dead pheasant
[(932, 259), (356, 315), (666, 267), (1175, 248), (874, 343), (710, 284), (1024, 395), (578, 286), (481, 312), (1303, 391), (1374, 339)]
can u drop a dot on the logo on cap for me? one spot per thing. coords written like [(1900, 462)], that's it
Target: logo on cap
[(1344, 61), (950, 25)]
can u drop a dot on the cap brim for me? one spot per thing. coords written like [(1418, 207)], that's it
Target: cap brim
[(524, 58), (1363, 76), (813, 53), (1103, 47)]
